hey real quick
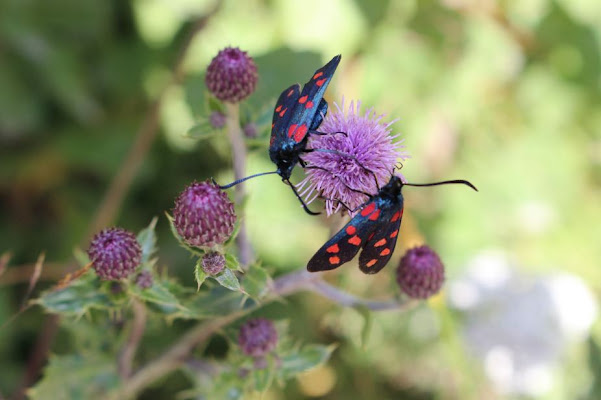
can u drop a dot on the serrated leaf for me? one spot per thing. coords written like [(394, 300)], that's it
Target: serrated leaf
[(157, 294), (77, 298), (77, 377), (218, 301), (228, 280), (256, 281), (231, 262), (199, 275), (201, 130), (147, 239), (302, 360)]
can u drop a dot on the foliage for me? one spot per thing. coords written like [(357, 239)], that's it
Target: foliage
[(504, 94)]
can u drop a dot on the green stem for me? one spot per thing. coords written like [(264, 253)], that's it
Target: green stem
[(239, 156)]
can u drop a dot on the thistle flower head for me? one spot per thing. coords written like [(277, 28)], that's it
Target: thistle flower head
[(217, 120), (231, 75), (115, 253), (350, 161), (213, 263), (257, 337), (144, 280), (420, 273), (203, 215)]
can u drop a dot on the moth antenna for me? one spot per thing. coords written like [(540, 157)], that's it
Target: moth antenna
[(454, 181), (229, 185)]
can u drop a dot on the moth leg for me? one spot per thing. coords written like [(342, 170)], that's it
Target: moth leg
[(318, 133)]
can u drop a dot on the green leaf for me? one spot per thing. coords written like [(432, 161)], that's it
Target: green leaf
[(147, 239), (228, 280), (201, 130), (263, 378), (256, 281), (75, 377), (231, 262), (309, 357), (218, 301), (216, 105), (158, 293), (199, 274), (80, 296)]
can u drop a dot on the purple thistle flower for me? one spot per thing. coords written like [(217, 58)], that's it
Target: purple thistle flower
[(420, 273), (115, 253), (368, 146), (250, 130), (144, 279), (217, 120), (203, 215), (257, 337), (231, 75), (213, 263)]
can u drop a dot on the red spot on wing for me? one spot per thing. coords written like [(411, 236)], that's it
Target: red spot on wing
[(385, 252), (317, 75), (272, 125), (368, 210), (355, 240), (291, 130), (380, 242), (333, 248), (374, 216), (283, 112), (370, 236), (278, 108), (303, 99), (321, 82), (300, 133), (309, 104), (393, 234), (290, 92), (371, 262), (350, 230), (334, 260), (396, 216)]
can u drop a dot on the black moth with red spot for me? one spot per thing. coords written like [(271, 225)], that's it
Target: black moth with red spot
[(296, 116), (374, 229)]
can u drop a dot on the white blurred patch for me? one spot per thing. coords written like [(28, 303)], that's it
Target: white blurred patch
[(519, 326), (536, 217)]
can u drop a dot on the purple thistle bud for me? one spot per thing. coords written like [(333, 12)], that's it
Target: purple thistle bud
[(257, 337), (144, 279), (231, 75), (115, 253), (217, 120), (420, 273), (213, 263), (203, 215), (250, 130), (368, 149)]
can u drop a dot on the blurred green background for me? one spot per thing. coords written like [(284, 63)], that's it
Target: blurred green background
[(506, 94)]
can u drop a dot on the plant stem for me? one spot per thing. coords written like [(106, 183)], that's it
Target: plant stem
[(137, 331), (285, 285), (236, 136)]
